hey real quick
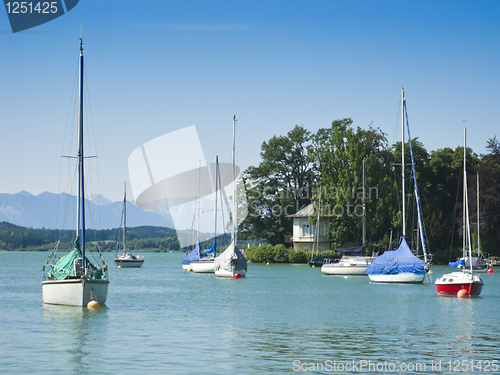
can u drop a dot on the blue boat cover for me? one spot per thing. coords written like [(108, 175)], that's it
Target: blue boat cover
[(359, 252), (212, 249), (460, 262), (393, 262), (193, 255)]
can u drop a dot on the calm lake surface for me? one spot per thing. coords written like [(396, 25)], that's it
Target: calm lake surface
[(279, 319)]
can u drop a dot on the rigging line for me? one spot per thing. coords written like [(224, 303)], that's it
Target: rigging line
[(67, 199), (68, 137), (90, 128), (417, 197), (72, 112)]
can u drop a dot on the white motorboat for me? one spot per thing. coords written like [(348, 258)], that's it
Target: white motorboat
[(347, 265)]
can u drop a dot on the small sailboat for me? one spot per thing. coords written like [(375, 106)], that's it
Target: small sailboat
[(353, 262), (206, 263), (232, 263), (401, 265), (453, 283), (126, 259), (73, 279)]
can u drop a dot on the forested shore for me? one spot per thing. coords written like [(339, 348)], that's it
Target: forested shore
[(326, 167), (143, 238)]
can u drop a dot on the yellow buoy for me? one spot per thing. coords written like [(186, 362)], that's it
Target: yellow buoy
[(93, 305), (268, 263)]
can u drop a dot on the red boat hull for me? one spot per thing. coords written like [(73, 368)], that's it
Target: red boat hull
[(473, 289)]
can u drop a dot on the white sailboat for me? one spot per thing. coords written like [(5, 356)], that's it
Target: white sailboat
[(74, 279), (232, 263), (203, 265), (401, 265), (463, 282), (126, 259)]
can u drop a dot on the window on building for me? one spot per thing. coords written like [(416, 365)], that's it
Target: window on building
[(322, 229)]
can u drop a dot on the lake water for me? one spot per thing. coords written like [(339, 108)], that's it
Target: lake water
[(279, 319)]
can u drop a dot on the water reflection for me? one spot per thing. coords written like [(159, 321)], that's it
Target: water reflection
[(459, 322), (72, 334)]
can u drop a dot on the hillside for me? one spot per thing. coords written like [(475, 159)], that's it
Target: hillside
[(57, 211)]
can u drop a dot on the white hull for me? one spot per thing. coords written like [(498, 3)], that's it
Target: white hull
[(482, 270), (225, 273), (337, 269), (402, 278), (129, 263), (129, 260), (74, 292), (187, 267), (348, 265), (203, 266)]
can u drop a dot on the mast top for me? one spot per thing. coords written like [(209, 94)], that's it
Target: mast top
[(81, 36)]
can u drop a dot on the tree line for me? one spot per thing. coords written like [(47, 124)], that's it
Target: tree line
[(326, 167), (142, 238)]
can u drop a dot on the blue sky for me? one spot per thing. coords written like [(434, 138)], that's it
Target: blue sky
[(157, 66)]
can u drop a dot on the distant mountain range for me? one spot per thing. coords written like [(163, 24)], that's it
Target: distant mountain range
[(58, 211)]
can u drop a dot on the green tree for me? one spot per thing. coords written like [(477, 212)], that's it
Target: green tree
[(279, 186), (338, 152), (442, 205), (489, 197)]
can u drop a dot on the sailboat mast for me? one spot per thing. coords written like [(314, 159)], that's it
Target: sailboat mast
[(216, 191), (198, 204), (403, 159), (234, 213), (477, 204), (364, 206), (463, 197), (125, 216), (466, 200), (317, 231), (81, 185), (417, 197), (469, 242)]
